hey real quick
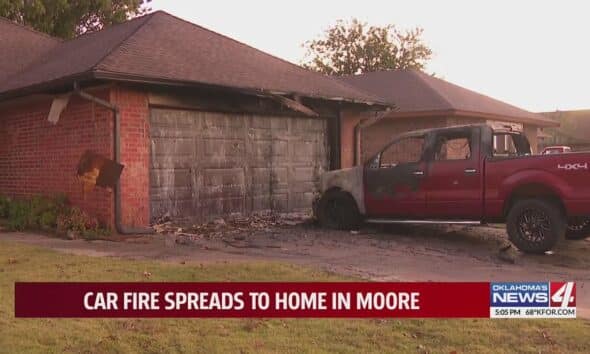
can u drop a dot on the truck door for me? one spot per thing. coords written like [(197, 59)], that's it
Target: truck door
[(393, 180), (454, 178)]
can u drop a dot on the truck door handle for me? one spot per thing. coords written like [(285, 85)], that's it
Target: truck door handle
[(470, 170), (418, 173)]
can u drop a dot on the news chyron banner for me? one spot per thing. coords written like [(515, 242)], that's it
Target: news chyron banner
[(293, 300)]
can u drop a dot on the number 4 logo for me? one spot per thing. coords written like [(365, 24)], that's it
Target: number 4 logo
[(563, 294)]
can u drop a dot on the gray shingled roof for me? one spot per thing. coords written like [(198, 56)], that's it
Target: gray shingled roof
[(21, 46), (166, 49), (415, 92)]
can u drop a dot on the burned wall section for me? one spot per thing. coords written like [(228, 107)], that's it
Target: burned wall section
[(206, 164)]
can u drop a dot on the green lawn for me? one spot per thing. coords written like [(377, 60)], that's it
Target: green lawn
[(25, 263)]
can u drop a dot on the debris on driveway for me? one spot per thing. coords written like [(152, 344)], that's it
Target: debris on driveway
[(232, 228), (508, 253)]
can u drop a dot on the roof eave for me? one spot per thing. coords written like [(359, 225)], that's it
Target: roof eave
[(130, 78), (123, 77), (45, 86), (460, 113)]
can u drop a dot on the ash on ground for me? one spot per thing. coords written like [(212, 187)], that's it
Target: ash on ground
[(234, 227)]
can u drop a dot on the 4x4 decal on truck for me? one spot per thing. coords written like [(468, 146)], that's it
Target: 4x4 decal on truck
[(573, 166)]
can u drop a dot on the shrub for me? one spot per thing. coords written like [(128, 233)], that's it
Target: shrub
[(79, 222), (50, 214), (4, 206), (18, 215), (48, 220)]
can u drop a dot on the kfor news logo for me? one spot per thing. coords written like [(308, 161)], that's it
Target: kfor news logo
[(533, 300)]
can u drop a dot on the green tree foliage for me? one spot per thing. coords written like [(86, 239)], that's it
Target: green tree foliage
[(66, 18), (354, 47)]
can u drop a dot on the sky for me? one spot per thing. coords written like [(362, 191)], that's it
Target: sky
[(532, 54)]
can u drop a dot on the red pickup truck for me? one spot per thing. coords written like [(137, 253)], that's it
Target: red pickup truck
[(465, 175)]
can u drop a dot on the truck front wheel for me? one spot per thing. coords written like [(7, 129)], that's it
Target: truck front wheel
[(535, 225), (338, 210)]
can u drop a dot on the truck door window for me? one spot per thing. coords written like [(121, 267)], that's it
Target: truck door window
[(510, 144), (454, 147), (403, 151)]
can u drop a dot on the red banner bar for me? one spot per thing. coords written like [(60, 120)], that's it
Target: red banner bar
[(347, 299)]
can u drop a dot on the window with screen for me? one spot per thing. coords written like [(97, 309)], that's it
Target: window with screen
[(403, 151)]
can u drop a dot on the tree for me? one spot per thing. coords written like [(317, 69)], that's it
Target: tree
[(67, 19), (354, 47)]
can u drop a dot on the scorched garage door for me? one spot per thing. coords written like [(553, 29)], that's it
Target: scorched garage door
[(206, 164)]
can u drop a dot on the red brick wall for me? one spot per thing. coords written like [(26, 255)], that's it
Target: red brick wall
[(37, 157), (135, 155)]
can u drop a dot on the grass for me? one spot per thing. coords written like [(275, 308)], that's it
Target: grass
[(25, 263)]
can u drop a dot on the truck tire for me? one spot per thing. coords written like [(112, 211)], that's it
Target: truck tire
[(578, 230), (535, 225), (338, 210)]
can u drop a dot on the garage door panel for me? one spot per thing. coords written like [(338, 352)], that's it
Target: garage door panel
[(221, 206), (208, 164), (279, 149), (261, 202), (174, 118), (280, 202), (279, 178), (223, 183), (260, 152), (212, 120), (177, 178), (178, 208), (180, 131), (224, 149), (260, 180), (305, 152), (301, 200), (166, 194), (171, 153), (279, 125), (175, 147)]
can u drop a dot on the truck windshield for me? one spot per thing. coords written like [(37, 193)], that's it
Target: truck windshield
[(510, 144)]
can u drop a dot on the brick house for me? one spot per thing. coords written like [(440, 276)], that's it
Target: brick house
[(204, 125), (423, 101), (573, 131)]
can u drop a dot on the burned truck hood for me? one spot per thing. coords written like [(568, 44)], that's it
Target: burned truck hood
[(348, 180)]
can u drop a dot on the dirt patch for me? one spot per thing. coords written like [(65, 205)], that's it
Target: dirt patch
[(405, 253)]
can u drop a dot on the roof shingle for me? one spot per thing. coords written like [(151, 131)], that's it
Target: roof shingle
[(20, 46), (415, 92), (160, 46)]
